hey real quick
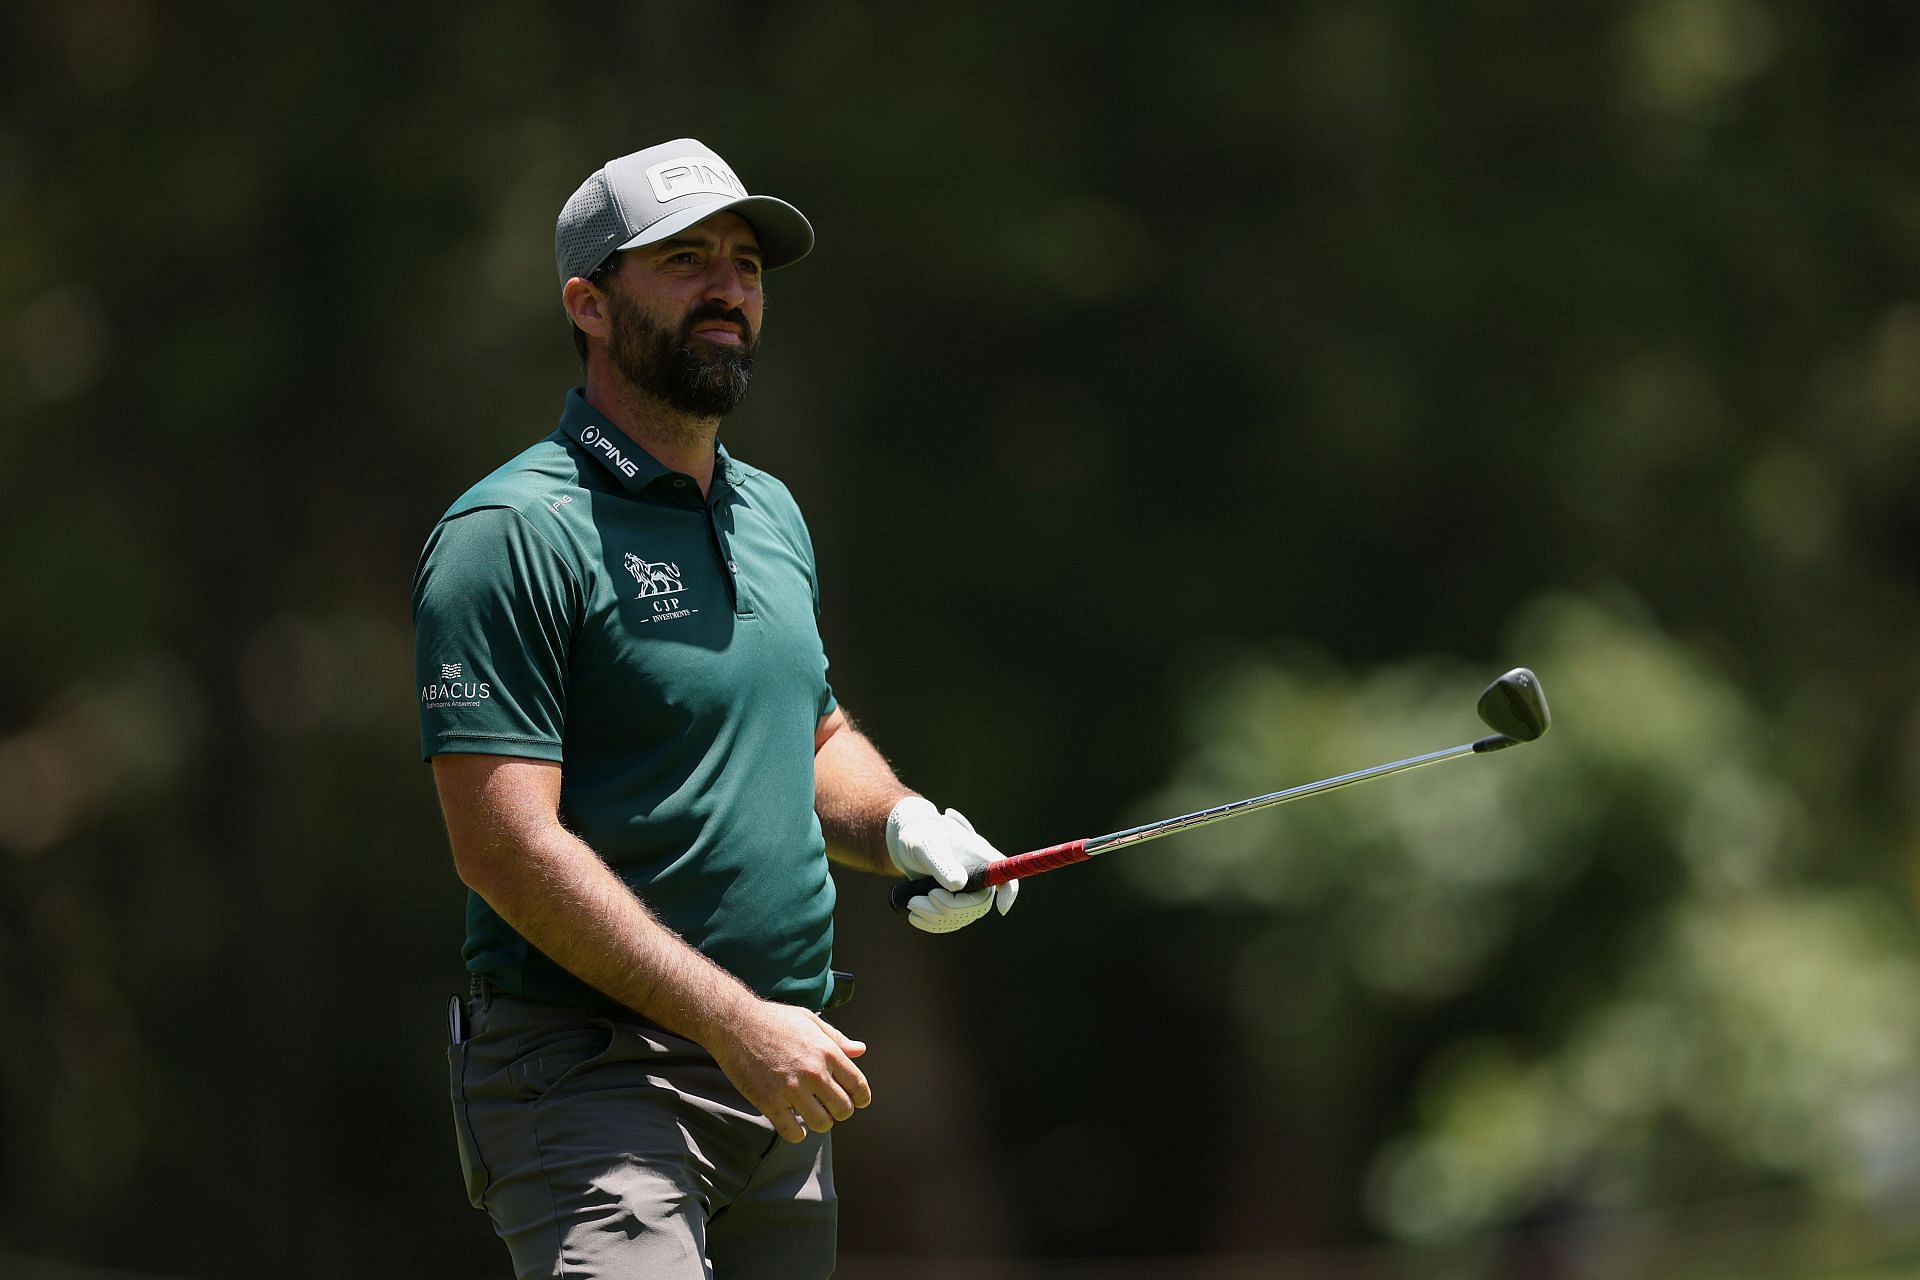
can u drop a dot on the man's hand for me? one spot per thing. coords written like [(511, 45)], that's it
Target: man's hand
[(925, 842), (794, 1065)]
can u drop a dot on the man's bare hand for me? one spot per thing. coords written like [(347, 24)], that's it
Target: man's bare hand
[(793, 1065)]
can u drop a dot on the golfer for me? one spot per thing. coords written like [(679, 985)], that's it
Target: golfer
[(644, 772)]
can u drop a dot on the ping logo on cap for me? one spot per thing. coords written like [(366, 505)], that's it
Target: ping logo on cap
[(692, 175)]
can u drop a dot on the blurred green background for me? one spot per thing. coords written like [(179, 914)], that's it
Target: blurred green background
[(1187, 401)]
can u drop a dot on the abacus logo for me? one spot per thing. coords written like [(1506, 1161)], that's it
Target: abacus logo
[(452, 692)]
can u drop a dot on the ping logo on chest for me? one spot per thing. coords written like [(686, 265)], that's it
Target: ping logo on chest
[(659, 582)]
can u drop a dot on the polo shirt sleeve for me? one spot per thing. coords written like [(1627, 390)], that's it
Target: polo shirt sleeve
[(494, 609), (827, 701)]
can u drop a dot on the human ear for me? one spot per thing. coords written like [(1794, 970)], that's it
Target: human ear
[(586, 307)]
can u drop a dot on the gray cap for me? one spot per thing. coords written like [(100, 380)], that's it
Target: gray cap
[(652, 194)]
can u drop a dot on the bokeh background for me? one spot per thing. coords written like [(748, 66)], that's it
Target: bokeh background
[(1188, 401)]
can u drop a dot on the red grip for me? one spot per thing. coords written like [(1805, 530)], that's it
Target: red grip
[(1022, 865), (996, 873)]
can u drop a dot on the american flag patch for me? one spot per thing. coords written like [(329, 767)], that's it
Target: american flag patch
[(449, 671)]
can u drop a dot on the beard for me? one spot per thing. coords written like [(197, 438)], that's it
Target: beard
[(697, 377)]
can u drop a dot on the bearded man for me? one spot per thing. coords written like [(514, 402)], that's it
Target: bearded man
[(644, 773)]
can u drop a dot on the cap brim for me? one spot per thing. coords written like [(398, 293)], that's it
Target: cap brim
[(785, 234)]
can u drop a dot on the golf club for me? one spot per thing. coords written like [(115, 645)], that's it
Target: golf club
[(1514, 707)]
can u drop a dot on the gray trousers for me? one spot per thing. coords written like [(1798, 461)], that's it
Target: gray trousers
[(604, 1147)]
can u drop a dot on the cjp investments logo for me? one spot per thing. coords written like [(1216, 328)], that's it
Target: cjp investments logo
[(655, 578), (660, 582), (453, 693)]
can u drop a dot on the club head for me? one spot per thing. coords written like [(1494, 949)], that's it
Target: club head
[(1515, 706)]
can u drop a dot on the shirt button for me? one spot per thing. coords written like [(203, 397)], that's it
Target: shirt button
[(680, 482), (732, 567)]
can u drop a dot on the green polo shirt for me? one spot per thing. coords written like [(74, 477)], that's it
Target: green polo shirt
[(584, 605)]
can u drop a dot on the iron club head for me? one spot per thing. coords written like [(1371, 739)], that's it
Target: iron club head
[(1515, 707)]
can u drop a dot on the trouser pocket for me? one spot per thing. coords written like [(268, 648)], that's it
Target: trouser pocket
[(472, 1168), (548, 1061)]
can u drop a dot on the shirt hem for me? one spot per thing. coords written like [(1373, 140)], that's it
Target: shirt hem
[(489, 744)]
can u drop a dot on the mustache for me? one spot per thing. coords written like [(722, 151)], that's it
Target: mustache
[(717, 311)]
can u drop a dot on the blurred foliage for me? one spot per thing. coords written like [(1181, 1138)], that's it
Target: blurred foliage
[(1624, 967), (1186, 400)]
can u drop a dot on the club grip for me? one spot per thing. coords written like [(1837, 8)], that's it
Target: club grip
[(907, 890), (1018, 867)]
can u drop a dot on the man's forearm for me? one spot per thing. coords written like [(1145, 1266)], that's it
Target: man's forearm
[(854, 790), (557, 893), (786, 1061)]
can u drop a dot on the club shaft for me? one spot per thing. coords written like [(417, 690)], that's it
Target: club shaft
[(1219, 813), (1036, 861)]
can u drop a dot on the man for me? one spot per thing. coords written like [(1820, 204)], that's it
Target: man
[(644, 771)]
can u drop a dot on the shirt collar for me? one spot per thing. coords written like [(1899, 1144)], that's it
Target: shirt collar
[(632, 466)]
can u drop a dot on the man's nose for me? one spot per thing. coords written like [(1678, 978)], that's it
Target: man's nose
[(725, 283)]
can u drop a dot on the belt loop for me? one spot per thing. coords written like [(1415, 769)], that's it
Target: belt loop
[(842, 988)]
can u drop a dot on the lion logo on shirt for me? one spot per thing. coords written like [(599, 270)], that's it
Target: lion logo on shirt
[(655, 579)]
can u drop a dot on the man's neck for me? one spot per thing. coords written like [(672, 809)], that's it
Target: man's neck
[(680, 441)]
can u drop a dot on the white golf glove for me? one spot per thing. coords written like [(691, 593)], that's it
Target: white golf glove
[(925, 842)]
